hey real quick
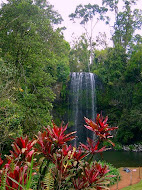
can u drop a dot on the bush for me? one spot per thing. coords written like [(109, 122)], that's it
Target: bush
[(113, 172), (57, 164)]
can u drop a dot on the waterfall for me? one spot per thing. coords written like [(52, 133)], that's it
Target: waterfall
[(81, 103)]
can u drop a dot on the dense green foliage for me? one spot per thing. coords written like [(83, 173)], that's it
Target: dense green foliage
[(79, 55), (35, 62), (34, 57), (57, 165), (122, 91), (119, 69), (89, 15)]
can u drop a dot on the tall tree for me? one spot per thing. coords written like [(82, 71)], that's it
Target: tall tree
[(126, 21), (89, 15), (39, 55), (79, 55), (113, 4)]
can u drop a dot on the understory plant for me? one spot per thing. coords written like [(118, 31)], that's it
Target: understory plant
[(58, 165), (16, 169)]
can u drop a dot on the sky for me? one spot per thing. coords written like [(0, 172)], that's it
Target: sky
[(66, 7), (74, 30)]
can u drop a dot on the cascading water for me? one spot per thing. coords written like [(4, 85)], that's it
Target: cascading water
[(82, 103)]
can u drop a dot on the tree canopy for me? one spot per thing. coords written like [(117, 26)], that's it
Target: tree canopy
[(34, 56), (35, 62)]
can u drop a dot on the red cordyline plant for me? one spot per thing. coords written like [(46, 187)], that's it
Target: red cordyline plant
[(7, 170), (100, 128), (67, 166), (70, 169), (80, 183), (92, 147), (22, 151), (1, 161), (52, 139), (50, 143), (15, 177), (58, 135), (92, 176), (14, 169), (18, 174), (18, 162), (67, 158), (62, 169), (66, 162)]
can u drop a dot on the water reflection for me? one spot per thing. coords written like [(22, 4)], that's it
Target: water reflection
[(123, 158)]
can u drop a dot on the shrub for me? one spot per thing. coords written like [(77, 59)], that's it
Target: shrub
[(60, 165), (112, 171)]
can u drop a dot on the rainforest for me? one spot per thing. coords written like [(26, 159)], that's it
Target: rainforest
[(36, 65), (36, 61)]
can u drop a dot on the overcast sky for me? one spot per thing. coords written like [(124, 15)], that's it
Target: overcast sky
[(66, 7)]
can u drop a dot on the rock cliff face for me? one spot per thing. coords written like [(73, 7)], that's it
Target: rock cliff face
[(60, 104)]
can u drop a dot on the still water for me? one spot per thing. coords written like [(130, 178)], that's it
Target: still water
[(123, 158)]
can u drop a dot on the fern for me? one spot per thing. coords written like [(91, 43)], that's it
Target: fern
[(49, 181)]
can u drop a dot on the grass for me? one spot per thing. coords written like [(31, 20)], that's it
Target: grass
[(137, 186)]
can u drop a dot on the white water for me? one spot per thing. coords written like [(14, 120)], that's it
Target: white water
[(82, 103)]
